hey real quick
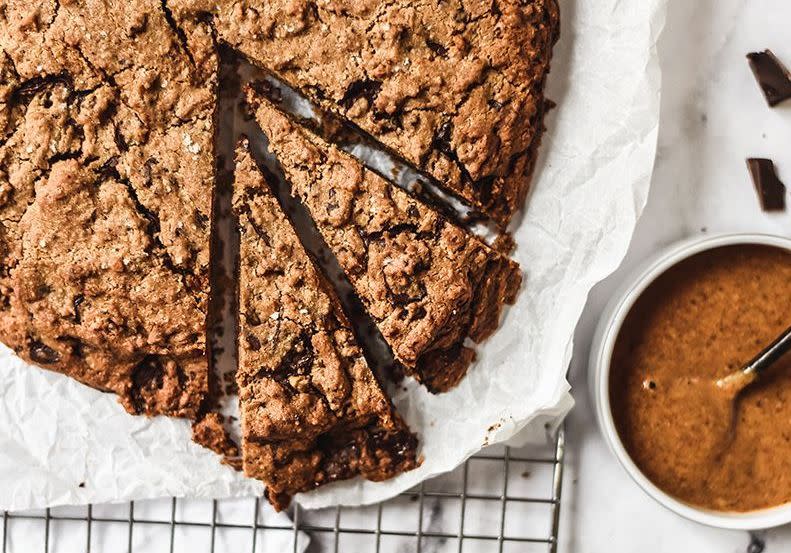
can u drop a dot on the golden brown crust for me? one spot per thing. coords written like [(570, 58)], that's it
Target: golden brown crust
[(453, 87), (428, 284), (312, 410)]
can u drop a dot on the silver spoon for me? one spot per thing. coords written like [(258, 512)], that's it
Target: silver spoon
[(731, 386), (735, 382)]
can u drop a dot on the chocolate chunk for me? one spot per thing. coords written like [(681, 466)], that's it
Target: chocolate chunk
[(367, 89), (772, 76), (77, 301), (147, 377), (771, 190), (43, 354), (252, 342), (436, 47)]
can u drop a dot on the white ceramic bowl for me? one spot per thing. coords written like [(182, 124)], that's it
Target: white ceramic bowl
[(599, 373)]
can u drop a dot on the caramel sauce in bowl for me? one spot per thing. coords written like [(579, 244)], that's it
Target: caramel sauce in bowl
[(688, 316)]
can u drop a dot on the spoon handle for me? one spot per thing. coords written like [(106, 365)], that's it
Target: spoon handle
[(770, 353)]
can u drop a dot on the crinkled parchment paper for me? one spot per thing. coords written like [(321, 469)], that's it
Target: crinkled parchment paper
[(63, 443)]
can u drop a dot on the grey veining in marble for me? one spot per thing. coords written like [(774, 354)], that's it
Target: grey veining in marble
[(713, 117)]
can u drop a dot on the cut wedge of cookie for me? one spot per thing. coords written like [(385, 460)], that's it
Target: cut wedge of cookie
[(455, 88), (106, 177), (312, 411), (429, 285)]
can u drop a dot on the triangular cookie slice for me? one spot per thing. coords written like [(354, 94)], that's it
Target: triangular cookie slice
[(312, 410), (428, 284)]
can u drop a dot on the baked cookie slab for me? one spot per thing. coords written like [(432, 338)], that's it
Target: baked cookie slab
[(453, 87), (427, 284), (312, 411), (106, 178)]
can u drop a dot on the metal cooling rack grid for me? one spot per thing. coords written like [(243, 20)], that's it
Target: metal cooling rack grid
[(502, 500)]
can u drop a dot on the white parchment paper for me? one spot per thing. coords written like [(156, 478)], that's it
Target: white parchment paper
[(64, 443)]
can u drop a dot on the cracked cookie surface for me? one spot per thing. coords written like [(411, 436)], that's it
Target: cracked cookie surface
[(455, 87), (106, 176), (312, 411), (427, 284)]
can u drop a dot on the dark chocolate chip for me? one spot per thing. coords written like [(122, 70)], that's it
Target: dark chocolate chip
[(78, 299), (419, 313), (772, 76), (120, 141), (148, 172), (771, 191), (252, 318), (332, 205), (43, 290), (436, 47), (253, 342), (108, 169), (338, 463), (398, 446), (139, 25), (77, 349), (63, 156), (147, 371), (43, 354), (297, 361), (365, 88), (33, 86), (201, 219), (147, 377), (442, 139)]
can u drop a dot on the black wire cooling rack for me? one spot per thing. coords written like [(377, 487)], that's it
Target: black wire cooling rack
[(502, 499)]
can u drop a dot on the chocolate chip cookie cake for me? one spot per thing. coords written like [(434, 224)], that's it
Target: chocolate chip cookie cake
[(109, 119)]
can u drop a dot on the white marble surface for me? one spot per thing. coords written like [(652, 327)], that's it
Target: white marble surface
[(713, 117)]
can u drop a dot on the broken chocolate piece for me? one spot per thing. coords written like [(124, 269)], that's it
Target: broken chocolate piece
[(772, 76), (771, 190)]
